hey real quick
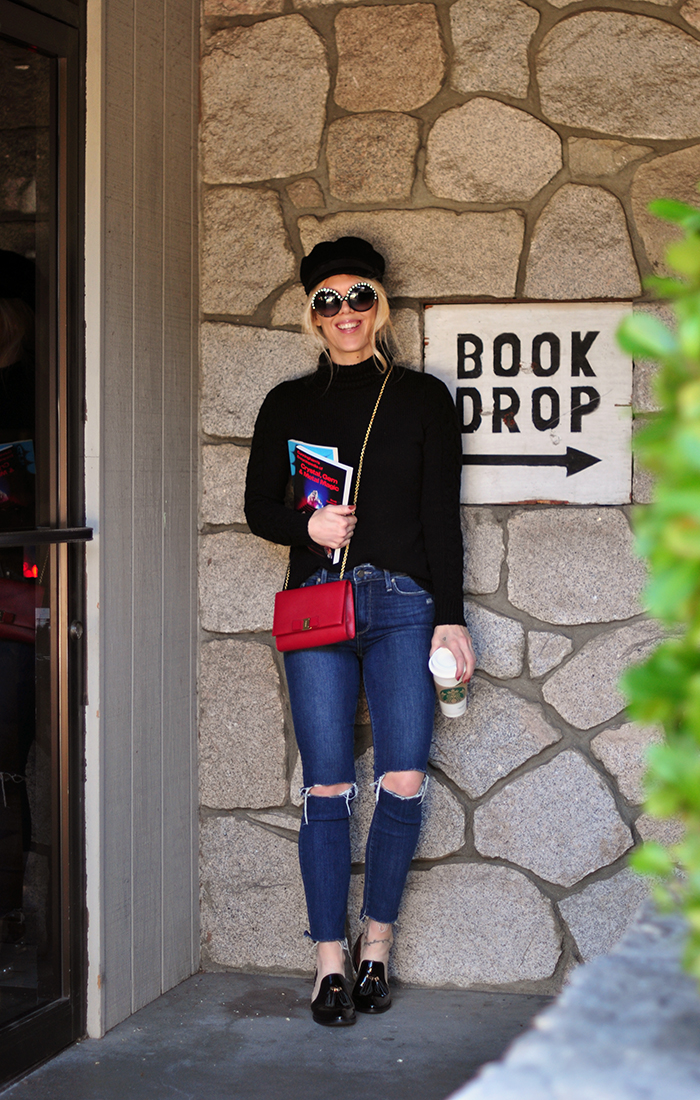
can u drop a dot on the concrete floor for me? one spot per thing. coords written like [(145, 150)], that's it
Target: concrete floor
[(251, 1037)]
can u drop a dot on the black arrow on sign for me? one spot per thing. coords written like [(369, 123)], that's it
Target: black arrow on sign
[(573, 460)]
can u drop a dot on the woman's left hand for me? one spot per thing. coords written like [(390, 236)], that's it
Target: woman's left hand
[(457, 640)]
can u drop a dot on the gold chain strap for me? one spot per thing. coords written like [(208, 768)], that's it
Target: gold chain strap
[(359, 472), (360, 463)]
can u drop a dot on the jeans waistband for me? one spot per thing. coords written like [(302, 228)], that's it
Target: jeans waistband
[(360, 574)]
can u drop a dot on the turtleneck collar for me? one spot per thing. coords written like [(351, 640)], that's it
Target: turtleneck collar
[(347, 377)]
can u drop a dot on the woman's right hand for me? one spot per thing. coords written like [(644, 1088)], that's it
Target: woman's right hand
[(333, 525)]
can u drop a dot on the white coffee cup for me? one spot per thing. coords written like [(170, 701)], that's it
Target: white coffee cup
[(451, 692)]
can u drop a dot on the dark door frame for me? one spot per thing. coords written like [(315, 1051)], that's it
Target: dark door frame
[(57, 29)]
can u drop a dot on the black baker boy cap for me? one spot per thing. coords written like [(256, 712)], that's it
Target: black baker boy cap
[(346, 256)]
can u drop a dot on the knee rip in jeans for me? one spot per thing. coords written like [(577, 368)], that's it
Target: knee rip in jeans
[(349, 795), (419, 795)]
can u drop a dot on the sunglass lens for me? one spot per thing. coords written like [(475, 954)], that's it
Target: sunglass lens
[(362, 298), (327, 303)]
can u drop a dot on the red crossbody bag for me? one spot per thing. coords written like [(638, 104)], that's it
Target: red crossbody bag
[(322, 613)]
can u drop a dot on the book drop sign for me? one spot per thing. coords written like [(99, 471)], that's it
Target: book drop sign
[(543, 396)]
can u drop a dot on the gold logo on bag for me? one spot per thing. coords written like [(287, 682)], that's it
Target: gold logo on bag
[(306, 624)]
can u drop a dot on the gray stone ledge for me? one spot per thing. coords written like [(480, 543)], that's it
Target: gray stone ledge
[(626, 1028)]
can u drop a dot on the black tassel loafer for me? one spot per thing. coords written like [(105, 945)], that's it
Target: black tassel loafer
[(371, 991), (333, 1006)]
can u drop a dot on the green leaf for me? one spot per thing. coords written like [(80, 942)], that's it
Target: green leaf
[(689, 336), (652, 859), (679, 213), (684, 256), (646, 337)]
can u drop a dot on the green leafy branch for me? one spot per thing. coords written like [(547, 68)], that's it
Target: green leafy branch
[(665, 690)]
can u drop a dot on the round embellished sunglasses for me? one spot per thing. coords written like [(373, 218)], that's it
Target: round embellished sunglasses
[(327, 302)]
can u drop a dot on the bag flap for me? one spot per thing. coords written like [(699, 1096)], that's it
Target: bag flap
[(318, 606)]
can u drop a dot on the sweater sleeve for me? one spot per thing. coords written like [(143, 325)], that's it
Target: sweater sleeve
[(267, 479), (440, 515)]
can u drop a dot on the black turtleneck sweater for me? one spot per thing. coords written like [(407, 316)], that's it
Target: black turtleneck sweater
[(408, 505)]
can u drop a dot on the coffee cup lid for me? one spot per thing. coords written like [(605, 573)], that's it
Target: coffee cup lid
[(443, 663)]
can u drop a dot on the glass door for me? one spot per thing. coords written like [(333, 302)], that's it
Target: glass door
[(41, 655)]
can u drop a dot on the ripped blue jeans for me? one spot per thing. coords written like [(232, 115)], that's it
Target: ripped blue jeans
[(394, 626)]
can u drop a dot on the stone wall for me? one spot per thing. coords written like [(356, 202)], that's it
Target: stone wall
[(493, 150)]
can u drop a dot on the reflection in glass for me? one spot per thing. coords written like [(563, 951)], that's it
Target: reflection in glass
[(29, 960)]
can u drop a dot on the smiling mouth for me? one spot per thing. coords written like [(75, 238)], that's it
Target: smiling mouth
[(349, 326)]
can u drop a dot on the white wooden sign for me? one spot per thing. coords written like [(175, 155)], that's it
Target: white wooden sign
[(543, 395)]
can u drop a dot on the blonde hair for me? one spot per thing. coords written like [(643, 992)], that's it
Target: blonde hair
[(382, 338)]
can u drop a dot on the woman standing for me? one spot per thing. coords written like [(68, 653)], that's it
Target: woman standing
[(405, 563)]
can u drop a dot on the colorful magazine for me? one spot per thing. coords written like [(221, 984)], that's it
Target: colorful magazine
[(319, 481), (322, 452)]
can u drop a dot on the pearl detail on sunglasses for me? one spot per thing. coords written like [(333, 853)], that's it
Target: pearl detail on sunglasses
[(340, 298)]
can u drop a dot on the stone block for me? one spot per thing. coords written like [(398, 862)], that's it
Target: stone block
[(372, 158), (253, 82), (574, 565), (488, 152), (240, 364), (409, 337), (601, 914), (389, 58), (559, 821), (691, 13), (490, 39), (467, 924), (644, 398), (546, 650), (588, 63), (623, 751), (238, 577), (499, 642), (245, 251), (497, 734), (590, 158), (585, 228), (289, 307), (213, 8), (675, 176), (242, 752), (433, 253), (442, 829), (223, 483), (253, 913), (664, 831), (585, 691), (305, 193), (483, 551)]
